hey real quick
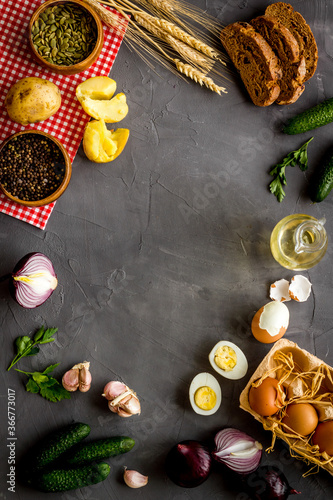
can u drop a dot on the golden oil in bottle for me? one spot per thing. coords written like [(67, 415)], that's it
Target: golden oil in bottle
[(299, 241)]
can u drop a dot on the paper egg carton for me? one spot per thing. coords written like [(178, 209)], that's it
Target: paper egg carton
[(308, 369)]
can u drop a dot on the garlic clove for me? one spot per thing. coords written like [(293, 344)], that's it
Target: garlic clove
[(70, 380), (132, 406), (84, 379), (134, 479), (113, 389)]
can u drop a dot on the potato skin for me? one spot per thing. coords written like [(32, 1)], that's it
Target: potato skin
[(32, 100)]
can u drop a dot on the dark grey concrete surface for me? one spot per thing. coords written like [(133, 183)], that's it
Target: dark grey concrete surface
[(163, 253)]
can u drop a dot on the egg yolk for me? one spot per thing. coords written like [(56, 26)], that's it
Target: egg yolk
[(205, 398), (225, 358)]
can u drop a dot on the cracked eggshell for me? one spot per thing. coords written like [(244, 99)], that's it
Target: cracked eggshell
[(279, 290), (202, 380), (240, 369), (270, 323), (300, 288)]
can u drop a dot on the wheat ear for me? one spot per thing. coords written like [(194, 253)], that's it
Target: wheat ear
[(198, 76), (110, 18), (189, 54), (186, 38)]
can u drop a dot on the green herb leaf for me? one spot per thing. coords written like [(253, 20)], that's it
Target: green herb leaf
[(49, 333), (33, 351), (50, 368), (54, 392), (39, 334), (298, 157), (45, 385), (31, 386), (22, 343), (25, 346)]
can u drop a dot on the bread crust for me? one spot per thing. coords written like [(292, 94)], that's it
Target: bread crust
[(286, 48), (297, 25), (258, 66)]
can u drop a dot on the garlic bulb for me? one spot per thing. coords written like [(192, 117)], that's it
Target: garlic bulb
[(134, 479), (121, 399), (78, 377)]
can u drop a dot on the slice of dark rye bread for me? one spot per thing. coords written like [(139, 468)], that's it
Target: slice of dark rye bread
[(256, 62), (297, 25), (287, 50)]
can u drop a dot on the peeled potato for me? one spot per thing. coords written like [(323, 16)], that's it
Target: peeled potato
[(32, 100), (97, 87), (102, 145), (95, 97)]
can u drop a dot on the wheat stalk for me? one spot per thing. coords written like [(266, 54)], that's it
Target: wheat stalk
[(198, 76)]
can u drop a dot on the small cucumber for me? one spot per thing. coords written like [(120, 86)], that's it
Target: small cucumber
[(54, 445), (85, 453), (312, 118), (70, 479), (322, 183)]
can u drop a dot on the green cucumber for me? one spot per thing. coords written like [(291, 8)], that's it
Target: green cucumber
[(53, 445), (70, 479), (312, 118), (85, 453), (322, 183)]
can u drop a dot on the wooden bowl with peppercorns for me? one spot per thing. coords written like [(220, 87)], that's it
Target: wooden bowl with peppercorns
[(66, 37), (35, 168)]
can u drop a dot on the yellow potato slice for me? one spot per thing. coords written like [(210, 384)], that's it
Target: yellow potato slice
[(111, 111), (102, 145), (97, 87)]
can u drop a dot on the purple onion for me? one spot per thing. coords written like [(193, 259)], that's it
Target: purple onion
[(188, 464), (33, 280), (237, 450)]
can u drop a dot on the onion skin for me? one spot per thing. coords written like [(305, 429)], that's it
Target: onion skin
[(38, 269), (268, 483), (188, 464)]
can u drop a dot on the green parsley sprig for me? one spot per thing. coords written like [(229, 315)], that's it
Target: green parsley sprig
[(45, 385), (25, 346), (298, 157)]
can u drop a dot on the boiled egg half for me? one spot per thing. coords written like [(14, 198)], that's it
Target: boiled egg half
[(228, 360), (205, 394)]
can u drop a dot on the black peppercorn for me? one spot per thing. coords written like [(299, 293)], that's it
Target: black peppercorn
[(31, 167)]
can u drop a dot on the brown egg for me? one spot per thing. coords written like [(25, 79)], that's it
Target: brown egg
[(270, 323), (323, 437), (262, 399), (301, 418)]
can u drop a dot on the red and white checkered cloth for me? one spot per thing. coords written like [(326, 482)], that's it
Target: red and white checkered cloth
[(16, 62)]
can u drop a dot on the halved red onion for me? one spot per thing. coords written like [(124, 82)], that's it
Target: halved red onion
[(33, 280), (237, 450)]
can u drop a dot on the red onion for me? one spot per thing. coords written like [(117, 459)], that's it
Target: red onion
[(188, 464), (268, 483), (33, 280), (237, 450)]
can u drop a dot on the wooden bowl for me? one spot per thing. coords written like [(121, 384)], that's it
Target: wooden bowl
[(66, 177), (80, 66)]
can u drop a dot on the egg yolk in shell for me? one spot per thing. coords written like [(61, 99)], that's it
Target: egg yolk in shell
[(225, 358), (205, 398)]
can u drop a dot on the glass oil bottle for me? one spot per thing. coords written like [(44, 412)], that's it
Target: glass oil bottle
[(299, 241)]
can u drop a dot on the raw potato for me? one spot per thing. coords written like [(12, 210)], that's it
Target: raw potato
[(102, 145), (32, 100), (95, 97)]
